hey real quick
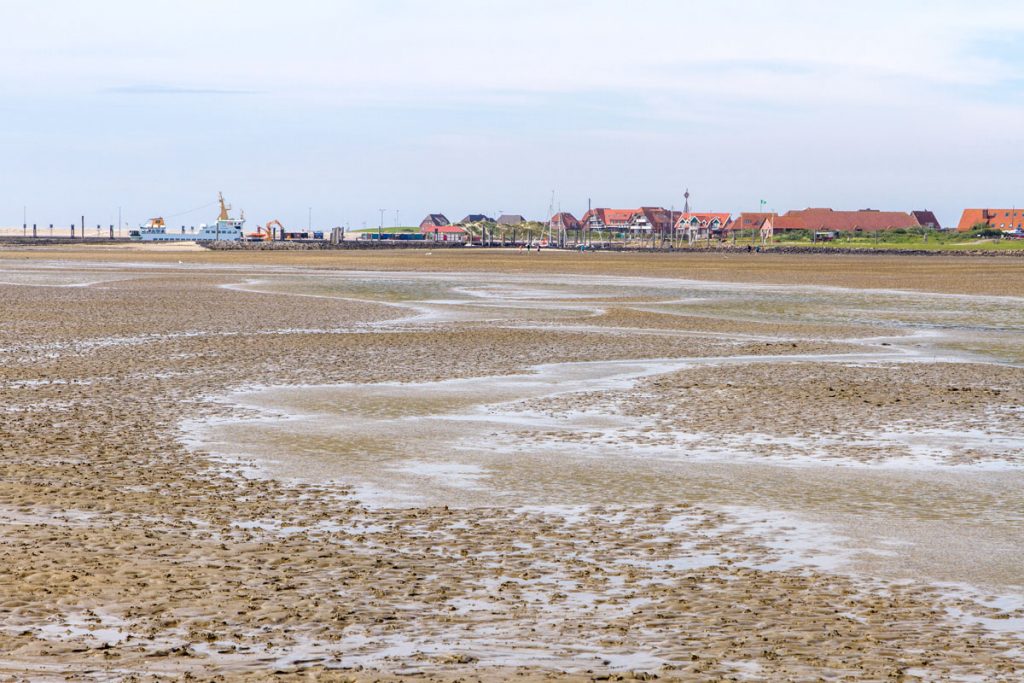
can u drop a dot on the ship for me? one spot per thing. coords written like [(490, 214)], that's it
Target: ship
[(225, 229)]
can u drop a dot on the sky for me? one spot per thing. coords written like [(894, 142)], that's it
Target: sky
[(342, 108)]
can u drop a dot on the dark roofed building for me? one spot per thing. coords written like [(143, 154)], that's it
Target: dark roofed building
[(927, 219), (476, 218), (510, 219), (434, 220)]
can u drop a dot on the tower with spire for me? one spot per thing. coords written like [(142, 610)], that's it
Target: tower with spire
[(686, 203)]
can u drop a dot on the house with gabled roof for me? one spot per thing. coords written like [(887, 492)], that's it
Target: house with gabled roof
[(752, 220), (927, 219), (704, 224), (476, 218), (653, 219), (616, 220), (565, 221), (434, 220), (510, 219)]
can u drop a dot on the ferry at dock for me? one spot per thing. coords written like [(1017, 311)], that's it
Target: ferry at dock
[(225, 229)]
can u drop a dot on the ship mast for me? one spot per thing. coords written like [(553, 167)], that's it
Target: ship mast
[(224, 208)]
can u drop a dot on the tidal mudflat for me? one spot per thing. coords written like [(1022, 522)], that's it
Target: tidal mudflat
[(234, 470)]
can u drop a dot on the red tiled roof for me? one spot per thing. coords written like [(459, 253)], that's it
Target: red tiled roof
[(752, 220), (865, 219), (612, 217), (659, 218), (705, 217), (788, 222), (566, 220), (992, 217), (430, 229), (753, 217)]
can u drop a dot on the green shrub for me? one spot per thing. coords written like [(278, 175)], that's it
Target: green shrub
[(986, 231)]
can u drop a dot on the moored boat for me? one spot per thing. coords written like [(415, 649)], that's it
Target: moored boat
[(224, 229)]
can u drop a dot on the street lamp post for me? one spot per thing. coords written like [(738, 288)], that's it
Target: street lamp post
[(763, 202)]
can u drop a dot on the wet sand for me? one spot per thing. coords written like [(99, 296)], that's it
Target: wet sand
[(992, 275), (363, 467)]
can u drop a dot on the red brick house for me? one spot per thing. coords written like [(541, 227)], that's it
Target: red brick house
[(434, 220), (927, 219), (564, 221), (752, 220)]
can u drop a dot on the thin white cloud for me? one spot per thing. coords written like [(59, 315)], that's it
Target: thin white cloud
[(557, 88)]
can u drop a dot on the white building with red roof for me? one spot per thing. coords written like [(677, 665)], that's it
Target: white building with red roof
[(704, 223), (445, 233)]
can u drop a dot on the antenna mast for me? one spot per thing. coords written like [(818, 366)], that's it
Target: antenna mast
[(551, 215)]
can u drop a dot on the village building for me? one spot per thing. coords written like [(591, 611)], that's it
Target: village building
[(476, 218), (699, 224), (564, 221), (510, 219), (829, 220), (652, 219), (752, 220), (756, 220), (434, 220), (927, 219), (613, 220), (444, 233), (1007, 220), (655, 220), (703, 224)]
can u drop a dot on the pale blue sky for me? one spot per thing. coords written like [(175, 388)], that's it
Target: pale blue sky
[(463, 106)]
